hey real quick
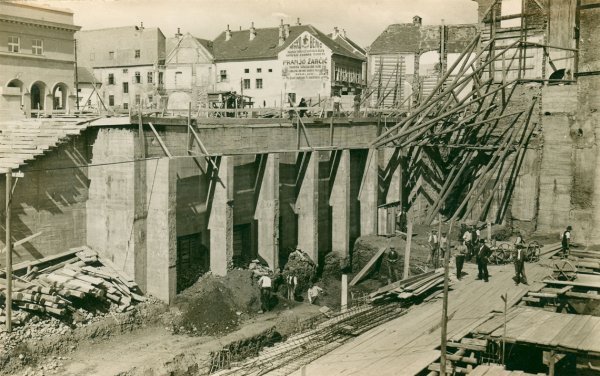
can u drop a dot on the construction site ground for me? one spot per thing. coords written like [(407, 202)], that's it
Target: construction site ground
[(156, 339), (407, 345)]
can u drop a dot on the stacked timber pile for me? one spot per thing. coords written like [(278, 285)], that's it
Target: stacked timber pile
[(416, 287), (461, 356), (72, 289)]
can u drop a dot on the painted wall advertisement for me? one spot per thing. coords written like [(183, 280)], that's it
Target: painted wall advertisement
[(306, 59)]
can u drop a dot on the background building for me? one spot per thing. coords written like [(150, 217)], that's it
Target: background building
[(128, 61), (189, 74), (404, 60), (273, 64), (37, 59)]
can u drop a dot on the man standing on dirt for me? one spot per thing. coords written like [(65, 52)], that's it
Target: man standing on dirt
[(292, 282), (392, 259), (433, 246), (313, 293), (265, 292)]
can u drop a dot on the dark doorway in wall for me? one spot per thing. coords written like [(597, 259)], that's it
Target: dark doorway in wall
[(192, 260), (242, 245), (37, 96)]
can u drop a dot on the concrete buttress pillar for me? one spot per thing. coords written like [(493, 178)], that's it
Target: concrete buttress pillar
[(267, 212), (220, 222), (369, 194), (340, 207), (307, 208), (161, 245)]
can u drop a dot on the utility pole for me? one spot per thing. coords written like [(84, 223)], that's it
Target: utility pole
[(8, 299), (445, 305), (505, 300)]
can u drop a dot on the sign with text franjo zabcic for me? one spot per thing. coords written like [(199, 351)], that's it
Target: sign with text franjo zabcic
[(306, 59)]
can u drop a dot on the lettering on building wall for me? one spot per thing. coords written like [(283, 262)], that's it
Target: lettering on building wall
[(306, 59)]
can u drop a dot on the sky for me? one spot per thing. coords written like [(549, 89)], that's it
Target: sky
[(363, 20)]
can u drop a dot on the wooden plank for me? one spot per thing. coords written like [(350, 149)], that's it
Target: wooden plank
[(579, 332), (583, 295), (572, 326), (591, 342), (160, 141), (367, 267), (594, 285), (27, 264), (397, 284)]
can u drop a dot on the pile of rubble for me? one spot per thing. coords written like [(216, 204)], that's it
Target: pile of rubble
[(72, 290)]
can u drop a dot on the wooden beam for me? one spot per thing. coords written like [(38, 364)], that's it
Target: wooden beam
[(160, 141), (363, 272)]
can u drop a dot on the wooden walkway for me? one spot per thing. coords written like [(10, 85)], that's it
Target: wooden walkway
[(567, 332), (407, 345)]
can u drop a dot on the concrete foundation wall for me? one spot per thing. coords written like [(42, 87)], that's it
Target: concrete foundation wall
[(51, 198)]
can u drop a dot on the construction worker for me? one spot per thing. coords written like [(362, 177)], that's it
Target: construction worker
[(313, 293), (483, 252), (302, 104), (519, 243), (356, 104), (292, 283), (460, 258), (433, 246), (337, 104), (392, 259), (520, 266), (566, 241), (443, 244), (467, 239), (265, 292)]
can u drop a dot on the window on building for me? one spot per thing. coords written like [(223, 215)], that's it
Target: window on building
[(125, 70), (223, 75), (138, 99), (92, 56), (37, 47), (258, 70), (246, 70), (125, 87), (270, 70), (161, 62), (111, 55), (137, 54), (14, 44), (178, 77), (150, 77), (246, 83), (138, 78), (150, 98), (111, 100), (259, 83), (160, 78), (125, 106), (111, 79)]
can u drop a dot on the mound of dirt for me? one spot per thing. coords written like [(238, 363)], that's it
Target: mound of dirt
[(214, 305), (366, 247), (300, 265)]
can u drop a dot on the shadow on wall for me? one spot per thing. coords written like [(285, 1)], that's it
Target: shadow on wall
[(50, 198)]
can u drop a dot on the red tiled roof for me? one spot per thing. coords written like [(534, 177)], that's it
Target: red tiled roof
[(266, 43)]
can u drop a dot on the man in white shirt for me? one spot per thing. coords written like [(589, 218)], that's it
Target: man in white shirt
[(265, 292), (467, 238), (313, 294)]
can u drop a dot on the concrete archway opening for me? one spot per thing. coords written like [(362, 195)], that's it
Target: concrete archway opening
[(37, 92), (59, 96), (17, 84)]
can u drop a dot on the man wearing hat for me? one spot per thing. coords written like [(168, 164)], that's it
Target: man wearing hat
[(482, 254), (392, 259)]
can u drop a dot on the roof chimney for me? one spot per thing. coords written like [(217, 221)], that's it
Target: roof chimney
[(252, 32), (286, 30), (344, 33), (141, 26), (281, 34), (336, 32), (227, 33), (298, 21), (178, 33), (417, 21)]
